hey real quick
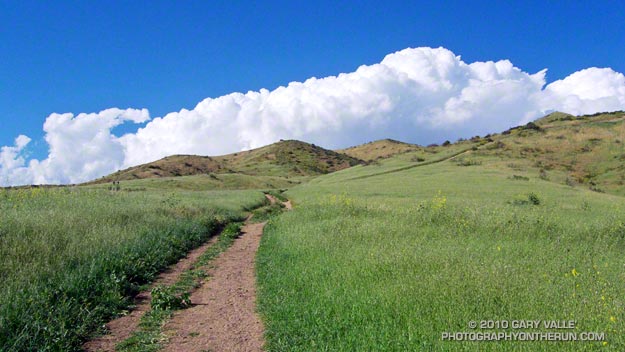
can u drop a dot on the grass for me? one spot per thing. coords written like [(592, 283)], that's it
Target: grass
[(72, 258), (391, 261), (205, 182), (587, 150)]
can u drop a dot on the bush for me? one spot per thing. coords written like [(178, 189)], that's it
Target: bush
[(164, 298), (532, 126), (519, 178), (533, 198), (468, 162)]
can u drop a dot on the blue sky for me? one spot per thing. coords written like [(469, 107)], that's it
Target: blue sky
[(87, 56)]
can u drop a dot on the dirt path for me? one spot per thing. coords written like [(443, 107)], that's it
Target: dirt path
[(223, 315), (223, 312), (288, 205), (121, 328)]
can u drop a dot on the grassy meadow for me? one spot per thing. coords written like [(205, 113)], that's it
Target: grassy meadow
[(71, 258), (387, 258), (528, 224)]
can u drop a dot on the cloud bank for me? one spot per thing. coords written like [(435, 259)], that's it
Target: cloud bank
[(419, 95)]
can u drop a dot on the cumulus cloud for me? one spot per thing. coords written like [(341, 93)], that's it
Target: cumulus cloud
[(80, 148), (587, 91), (420, 95)]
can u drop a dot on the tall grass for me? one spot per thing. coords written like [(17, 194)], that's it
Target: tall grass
[(70, 259), (390, 263)]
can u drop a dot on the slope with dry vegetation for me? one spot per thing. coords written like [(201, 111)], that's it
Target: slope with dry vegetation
[(288, 158)]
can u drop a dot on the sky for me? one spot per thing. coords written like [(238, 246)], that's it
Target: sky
[(87, 88)]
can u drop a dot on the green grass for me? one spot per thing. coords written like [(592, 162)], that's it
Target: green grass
[(72, 258), (391, 261), (204, 182)]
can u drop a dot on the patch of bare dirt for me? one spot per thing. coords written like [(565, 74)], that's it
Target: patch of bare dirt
[(121, 328), (288, 205), (223, 313)]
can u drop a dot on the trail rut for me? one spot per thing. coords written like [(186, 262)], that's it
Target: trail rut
[(122, 327), (223, 313)]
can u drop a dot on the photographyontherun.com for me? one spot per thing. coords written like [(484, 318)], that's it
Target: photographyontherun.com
[(563, 331)]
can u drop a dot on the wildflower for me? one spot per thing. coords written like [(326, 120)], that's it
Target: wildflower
[(613, 319), (574, 272)]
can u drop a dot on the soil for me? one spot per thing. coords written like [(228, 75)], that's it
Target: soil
[(223, 313)]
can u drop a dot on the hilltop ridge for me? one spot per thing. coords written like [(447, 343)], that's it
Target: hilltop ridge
[(586, 150), (285, 158), (379, 149)]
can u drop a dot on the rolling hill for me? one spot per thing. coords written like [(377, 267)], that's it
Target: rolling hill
[(579, 151), (287, 158), (379, 149), (584, 151)]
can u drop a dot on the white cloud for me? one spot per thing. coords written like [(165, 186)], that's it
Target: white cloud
[(587, 91), (420, 95), (80, 148)]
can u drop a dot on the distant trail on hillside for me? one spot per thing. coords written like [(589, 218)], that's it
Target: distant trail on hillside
[(410, 166)]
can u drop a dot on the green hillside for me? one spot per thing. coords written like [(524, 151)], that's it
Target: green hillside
[(390, 256), (283, 159), (380, 149)]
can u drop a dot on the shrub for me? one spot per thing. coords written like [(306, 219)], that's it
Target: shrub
[(468, 162), (532, 126), (533, 198), (519, 178), (164, 298)]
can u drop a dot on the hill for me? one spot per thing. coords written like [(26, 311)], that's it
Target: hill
[(288, 158), (380, 149), (487, 226), (579, 151), (586, 150)]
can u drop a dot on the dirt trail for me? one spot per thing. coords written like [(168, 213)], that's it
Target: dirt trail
[(121, 328), (223, 314), (288, 205)]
